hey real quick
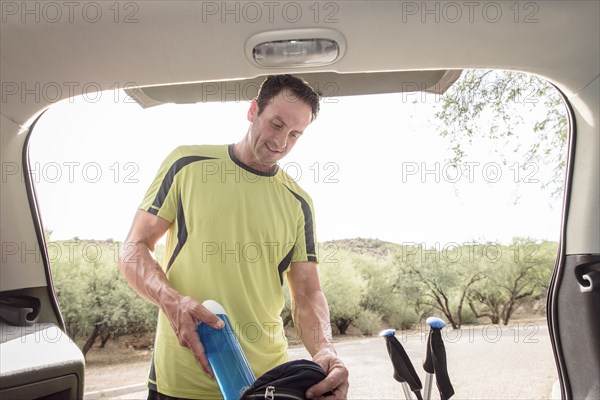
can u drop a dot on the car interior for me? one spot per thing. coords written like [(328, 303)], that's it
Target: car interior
[(186, 52)]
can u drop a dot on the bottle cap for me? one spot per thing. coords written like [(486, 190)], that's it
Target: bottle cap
[(214, 307)]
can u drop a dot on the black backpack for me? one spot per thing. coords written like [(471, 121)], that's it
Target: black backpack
[(286, 381)]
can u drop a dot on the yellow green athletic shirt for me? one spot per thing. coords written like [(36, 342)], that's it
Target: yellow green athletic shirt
[(234, 233)]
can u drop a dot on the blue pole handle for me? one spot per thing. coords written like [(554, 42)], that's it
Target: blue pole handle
[(435, 322)]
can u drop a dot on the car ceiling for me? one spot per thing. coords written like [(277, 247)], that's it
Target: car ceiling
[(181, 42)]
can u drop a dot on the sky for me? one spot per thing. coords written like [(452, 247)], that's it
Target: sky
[(375, 167)]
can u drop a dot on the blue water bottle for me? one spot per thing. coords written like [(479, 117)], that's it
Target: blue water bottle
[(225, 355)]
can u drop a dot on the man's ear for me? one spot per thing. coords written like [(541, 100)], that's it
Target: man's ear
[(253, 110)]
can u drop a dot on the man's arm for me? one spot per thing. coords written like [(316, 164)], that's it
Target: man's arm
[(148, 279), (311, 317)]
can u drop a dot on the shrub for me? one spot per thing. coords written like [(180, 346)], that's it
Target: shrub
[(404, 318), (343, 287), (367, 322), (95, 300)]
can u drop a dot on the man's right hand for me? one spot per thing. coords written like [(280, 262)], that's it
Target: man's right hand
[(185, 314)]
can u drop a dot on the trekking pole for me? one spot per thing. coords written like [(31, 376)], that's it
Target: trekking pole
[(404, 372), (435, 361)]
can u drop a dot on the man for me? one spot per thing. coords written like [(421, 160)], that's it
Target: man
[(236, 225)]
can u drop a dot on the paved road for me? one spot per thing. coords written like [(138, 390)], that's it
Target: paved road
[(484, 362)]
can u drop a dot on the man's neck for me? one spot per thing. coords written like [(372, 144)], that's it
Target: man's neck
[(239, 150)]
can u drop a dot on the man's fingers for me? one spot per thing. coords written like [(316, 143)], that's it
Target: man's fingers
[(336, 380), (213, 321), (193, 343), (204, 316), (326, 385), (184, 319), (203, 361)]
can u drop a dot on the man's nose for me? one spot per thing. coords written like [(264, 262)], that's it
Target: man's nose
[(280, 140)]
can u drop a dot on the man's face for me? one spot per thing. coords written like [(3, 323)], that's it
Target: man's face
[(275, 131)]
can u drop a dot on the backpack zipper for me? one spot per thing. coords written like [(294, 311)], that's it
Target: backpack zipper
[(270, 392)]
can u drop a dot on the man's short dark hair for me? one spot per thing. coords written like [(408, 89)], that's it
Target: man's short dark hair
[(299, 89)]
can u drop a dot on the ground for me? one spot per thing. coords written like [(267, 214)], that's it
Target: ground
[(121, 362)]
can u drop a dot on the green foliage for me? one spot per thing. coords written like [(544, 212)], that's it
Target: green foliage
[(493, 280), (544, 259), (367, 322), (383, 295), (490, 105), (404, 317), (286, 313), (468, 317), (371, 248), (361, 289), (47, 234), (343, 286), (439, 280), (94, 299), (522, 272), (460, 284)]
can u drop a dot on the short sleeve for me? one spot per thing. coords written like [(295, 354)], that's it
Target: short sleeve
[(306, 240), (162, 197)]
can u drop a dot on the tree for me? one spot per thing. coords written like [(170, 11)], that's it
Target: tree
[(505, 288), (443, 281), (343, 286), (491, 105), (95, 300), (382, 295), (367, 322), (512, 278), (545, 258), (47, 234)]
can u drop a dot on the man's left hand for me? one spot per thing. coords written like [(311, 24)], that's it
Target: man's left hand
[(336, 381)]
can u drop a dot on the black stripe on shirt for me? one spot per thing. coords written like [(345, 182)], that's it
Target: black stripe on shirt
[(248, 168), (308, 226), (284, 264), (169, 178), (182, 234), (152, 376)]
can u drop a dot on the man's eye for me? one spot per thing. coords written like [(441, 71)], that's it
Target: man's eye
[(295, 135), (277, 126)]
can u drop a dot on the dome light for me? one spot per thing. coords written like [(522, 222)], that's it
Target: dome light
[(296, 53)]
